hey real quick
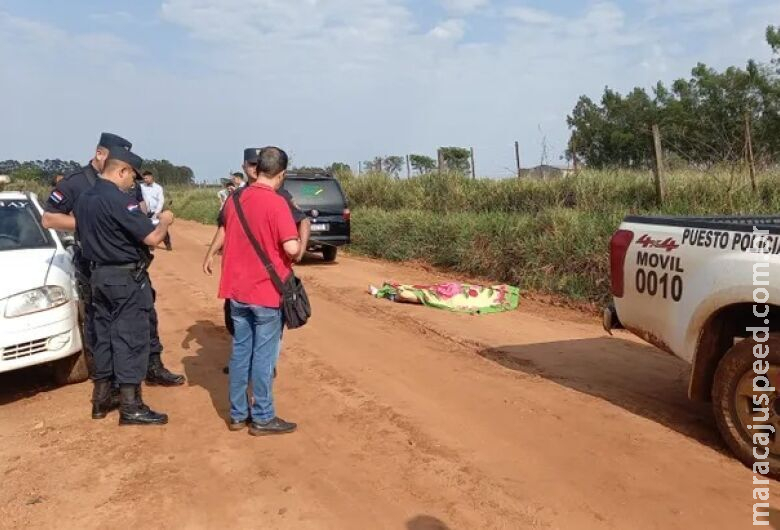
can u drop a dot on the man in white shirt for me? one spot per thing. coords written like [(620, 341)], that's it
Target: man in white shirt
[(154, 197)]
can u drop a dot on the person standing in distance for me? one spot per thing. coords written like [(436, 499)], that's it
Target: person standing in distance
[(115, 236), (238, 180), (154, 197), (255, 302)]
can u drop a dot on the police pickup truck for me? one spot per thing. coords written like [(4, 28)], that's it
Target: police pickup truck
[(707, 290)]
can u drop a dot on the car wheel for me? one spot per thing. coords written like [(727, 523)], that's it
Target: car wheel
[(329, 253), (732, 400), (71, 370)]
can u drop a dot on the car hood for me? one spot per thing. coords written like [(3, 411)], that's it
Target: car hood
[(29, 269)]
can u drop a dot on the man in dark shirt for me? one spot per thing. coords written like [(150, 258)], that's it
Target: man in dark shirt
[(57, 215), (115, 235)]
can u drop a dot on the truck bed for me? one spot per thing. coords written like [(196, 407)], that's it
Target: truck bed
[(733, 223)]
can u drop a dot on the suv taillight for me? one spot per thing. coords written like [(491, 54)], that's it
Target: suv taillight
[(347, 214), (618, 247)]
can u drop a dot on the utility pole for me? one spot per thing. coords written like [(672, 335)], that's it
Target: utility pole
[(749, 151), (440, 160), (473, 169), (517, 157), (659, 165)]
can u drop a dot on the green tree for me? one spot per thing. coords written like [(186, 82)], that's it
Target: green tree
[(169, 174), (28, 171), (456, 159), (422, 164), (702, 118), (393, 164)]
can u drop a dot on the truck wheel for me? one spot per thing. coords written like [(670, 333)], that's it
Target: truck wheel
[(732, 401), (71, 370), (329, 253)]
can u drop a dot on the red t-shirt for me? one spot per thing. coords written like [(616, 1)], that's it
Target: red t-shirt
[(244, 278)]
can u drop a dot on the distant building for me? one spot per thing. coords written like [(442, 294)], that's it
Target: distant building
[(546, 172)]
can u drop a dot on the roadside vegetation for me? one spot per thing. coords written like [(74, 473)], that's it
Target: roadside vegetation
[(544, 236)]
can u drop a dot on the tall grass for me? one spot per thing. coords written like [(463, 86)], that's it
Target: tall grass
[(547, 236)]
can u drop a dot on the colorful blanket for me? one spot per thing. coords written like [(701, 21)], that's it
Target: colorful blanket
[(458, 297)]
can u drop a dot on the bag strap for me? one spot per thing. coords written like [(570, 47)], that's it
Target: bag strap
[(277, 281)]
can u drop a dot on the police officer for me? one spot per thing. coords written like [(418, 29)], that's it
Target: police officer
[(58, 216), (115, 236)]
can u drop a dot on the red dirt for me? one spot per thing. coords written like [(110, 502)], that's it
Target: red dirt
[(410, 418)]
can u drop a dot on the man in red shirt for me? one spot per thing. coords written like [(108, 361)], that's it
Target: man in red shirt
[(255, 301)]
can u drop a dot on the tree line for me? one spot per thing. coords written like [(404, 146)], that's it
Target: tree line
[(43, 171), (455, 159), (710, 118)]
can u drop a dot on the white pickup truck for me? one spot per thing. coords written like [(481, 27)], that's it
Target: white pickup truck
[(707, 290)]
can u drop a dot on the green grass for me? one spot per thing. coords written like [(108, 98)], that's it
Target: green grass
[(550, 237)]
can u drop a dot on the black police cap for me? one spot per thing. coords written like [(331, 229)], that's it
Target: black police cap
[(109, 140), (127, 156), (251, 154)]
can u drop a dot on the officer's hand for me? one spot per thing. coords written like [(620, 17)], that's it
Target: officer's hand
[(207, 265), (166, 217)]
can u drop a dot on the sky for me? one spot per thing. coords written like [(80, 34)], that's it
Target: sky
[(197, 81)]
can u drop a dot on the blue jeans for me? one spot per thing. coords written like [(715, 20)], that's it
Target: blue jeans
[(256, 344)]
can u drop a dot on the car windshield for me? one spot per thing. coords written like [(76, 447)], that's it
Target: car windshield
[(310, 193), (20, 226)]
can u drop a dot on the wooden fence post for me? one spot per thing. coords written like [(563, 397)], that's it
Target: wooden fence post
[(408, 168), (659, 166), (473, 169), (517, 157), (749, 152), (440, 160)]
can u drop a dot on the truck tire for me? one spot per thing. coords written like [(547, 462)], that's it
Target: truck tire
[(71, 370), (732, 400), (329, 253)]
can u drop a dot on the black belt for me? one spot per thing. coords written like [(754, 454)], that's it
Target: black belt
[(129, 266)]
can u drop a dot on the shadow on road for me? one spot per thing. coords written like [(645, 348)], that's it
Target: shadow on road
[(209, 346), (25, 383), (426, 522), (635, 377)]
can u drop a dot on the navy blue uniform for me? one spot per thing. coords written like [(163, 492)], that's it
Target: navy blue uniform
[(63, 199), (111, 228)]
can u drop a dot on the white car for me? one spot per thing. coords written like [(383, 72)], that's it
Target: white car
[(39, 305)]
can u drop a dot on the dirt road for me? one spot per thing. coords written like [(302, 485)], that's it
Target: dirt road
[(409, 418)]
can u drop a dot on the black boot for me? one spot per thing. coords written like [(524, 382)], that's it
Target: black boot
[(102, 399), (157, 374), (132, 410)]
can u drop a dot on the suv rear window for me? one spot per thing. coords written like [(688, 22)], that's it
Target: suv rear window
[(315, 192), (20, 226)]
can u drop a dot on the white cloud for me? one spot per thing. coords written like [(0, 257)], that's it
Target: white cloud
[(464, 6), (666, 8), (340, 79), (529, 15), (452, 30)]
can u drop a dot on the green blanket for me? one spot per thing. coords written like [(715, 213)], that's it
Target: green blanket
[(458, 297)]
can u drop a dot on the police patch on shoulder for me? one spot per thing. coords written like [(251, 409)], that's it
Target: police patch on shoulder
[(56, 197), (133, 207)]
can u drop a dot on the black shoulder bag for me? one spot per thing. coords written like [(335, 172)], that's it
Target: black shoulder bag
[(295, 302)]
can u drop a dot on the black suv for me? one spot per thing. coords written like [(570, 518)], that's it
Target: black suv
[(320, 196)]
